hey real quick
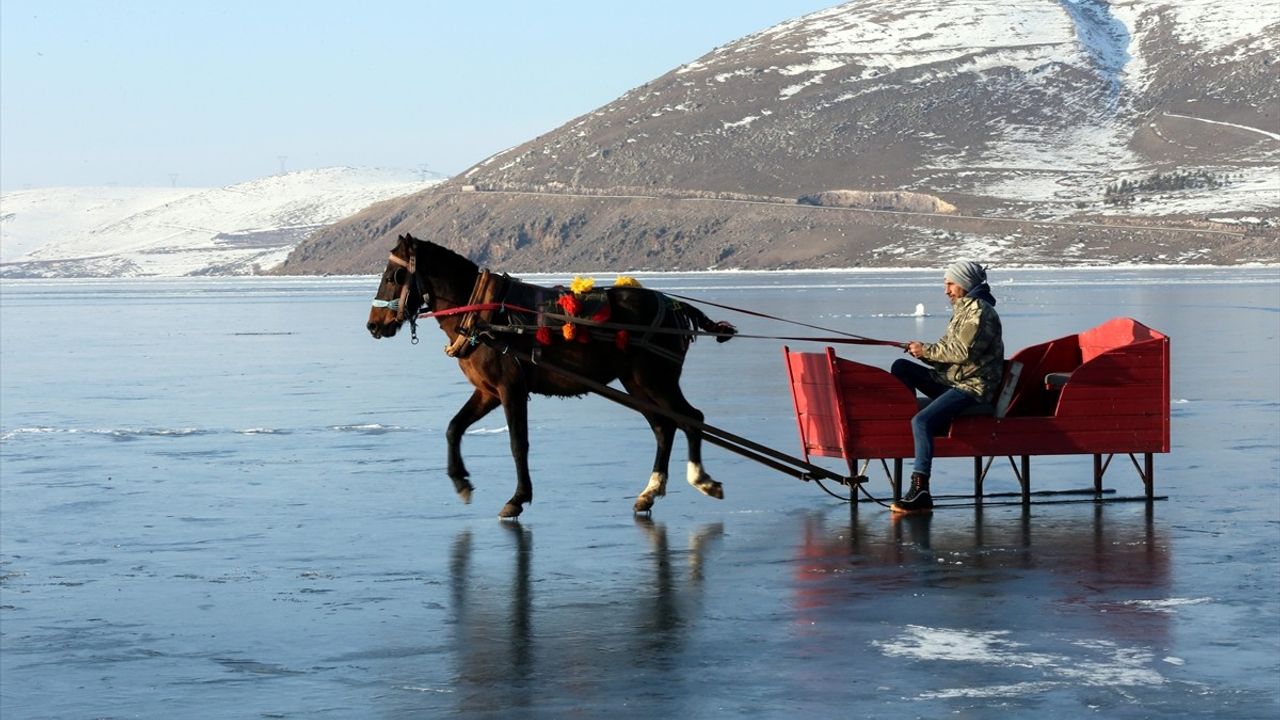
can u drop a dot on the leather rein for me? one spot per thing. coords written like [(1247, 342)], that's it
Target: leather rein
[(400, 305)]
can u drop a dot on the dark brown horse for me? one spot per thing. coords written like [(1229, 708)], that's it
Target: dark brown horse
[(422, 276)]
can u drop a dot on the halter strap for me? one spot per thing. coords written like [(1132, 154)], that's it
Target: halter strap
[(399, 304)]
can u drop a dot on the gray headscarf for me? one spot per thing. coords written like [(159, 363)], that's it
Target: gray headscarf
[(967, 274)]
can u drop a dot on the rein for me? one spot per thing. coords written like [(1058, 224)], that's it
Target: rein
[(843, 338), (400, 305), (848, 338)]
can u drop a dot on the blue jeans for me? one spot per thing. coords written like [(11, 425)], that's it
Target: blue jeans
[(936, 417)]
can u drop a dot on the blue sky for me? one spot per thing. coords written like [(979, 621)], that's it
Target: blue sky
[(139, 92)]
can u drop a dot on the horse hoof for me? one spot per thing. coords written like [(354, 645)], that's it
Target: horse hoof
[(711, 488), (462, 485), (643, 505), (510, 511)]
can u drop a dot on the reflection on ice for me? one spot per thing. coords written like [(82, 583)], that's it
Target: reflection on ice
[(584, 641), (277, 537), (1035, 604)]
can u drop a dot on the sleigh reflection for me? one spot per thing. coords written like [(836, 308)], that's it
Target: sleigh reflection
[(632, 617), (1100, 570)]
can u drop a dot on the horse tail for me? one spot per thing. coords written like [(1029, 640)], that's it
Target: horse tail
[(722, 330)]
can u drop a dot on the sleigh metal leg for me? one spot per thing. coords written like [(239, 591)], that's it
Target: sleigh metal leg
[(897, 479), (980, 474), (1147, 471), (1099, 469), (1024, 477)]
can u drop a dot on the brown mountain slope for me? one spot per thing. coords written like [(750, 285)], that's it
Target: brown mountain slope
[(1142, 113), (516, 232)]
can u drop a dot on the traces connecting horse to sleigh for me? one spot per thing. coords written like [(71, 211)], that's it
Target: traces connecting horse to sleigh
[(627, 333)]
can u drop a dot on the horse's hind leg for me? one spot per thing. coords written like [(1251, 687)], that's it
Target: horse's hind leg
[(674, 401), (664, 431), (663, 390), (476, 407)]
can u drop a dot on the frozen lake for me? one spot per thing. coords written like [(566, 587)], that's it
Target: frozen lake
[(220, 498)]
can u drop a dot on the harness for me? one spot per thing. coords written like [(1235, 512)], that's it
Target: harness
[(400, 304), (480, 310)]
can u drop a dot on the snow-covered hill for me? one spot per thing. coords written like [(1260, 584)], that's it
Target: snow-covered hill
[(1135, 130), (1035, 106), (131, 232)]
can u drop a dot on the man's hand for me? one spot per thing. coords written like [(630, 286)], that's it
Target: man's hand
[(915, 348)]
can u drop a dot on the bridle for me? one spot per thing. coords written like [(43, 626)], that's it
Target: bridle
[(400, 305)]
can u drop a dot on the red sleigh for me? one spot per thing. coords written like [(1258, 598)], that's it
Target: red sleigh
[(1104, 391)]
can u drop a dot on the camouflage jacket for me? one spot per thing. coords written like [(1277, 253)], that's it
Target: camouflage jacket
[(970, 354)]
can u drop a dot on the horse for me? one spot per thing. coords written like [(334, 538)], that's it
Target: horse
[(422, 276)]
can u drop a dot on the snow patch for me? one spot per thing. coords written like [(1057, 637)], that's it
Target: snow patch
[(1213, 24), (822, 64), (1105, 663), (1167, 604), (239, 229), (740, 123), (791, 90)]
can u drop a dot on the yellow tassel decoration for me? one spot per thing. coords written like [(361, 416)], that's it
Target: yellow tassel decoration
[(581, 285), (626, 281)]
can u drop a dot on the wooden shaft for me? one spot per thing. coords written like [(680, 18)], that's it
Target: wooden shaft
[(714, 435)]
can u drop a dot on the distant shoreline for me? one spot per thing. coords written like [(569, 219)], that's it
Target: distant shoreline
[(559, 274)]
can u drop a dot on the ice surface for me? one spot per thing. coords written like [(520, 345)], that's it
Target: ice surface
[(220, 498)]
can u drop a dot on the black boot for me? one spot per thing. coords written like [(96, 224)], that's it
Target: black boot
[(918, 499)]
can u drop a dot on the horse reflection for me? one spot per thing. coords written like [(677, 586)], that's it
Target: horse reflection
[(577, 636), (670, 606), (495, 647)]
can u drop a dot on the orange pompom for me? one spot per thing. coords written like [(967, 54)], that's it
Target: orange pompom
[(569, 331)]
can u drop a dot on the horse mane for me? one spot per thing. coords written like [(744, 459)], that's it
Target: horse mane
[(440, 255)]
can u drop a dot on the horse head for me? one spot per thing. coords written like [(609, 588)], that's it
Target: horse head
[(420, 276), (400, 293)]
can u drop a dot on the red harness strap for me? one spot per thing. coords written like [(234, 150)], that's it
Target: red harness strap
[(480, 307)]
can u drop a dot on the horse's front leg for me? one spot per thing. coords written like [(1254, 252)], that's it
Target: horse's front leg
[(515, 402), (476, 407)]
